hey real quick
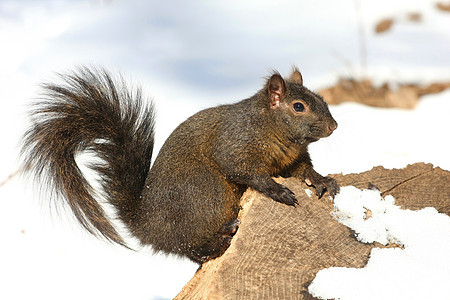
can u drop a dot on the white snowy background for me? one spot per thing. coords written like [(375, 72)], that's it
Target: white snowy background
[(189, 55)]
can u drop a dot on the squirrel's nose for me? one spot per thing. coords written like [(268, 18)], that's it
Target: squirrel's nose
[(332, 126)]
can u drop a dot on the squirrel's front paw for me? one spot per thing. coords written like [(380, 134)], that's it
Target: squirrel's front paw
[(284, 195), (322, 184)]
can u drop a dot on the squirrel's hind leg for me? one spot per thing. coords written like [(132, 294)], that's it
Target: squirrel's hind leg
[(218, 245), (226, 234)]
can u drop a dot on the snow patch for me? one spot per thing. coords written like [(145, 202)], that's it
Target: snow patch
[(309, 193), (418, 270)]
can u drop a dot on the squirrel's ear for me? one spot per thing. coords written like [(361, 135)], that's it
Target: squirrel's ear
[(276, 88), (296, 76)]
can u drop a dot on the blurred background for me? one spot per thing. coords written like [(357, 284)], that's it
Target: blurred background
[(189, 55)]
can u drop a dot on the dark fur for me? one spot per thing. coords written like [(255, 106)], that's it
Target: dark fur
[(187, 203)]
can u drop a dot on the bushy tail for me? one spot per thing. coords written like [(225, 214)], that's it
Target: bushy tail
[(90, 111)]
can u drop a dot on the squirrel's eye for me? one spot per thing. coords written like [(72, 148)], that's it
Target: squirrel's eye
[(298, 107)]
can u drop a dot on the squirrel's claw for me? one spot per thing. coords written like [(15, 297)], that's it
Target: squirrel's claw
[(324, 184), (286, 196), (282, 194)]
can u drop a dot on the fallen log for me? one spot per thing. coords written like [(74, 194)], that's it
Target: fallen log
[(278, 249)]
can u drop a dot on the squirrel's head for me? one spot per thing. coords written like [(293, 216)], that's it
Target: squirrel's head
[(300, 114)]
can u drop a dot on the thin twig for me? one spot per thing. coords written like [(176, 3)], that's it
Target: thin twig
[(362, 38), (11, 176)]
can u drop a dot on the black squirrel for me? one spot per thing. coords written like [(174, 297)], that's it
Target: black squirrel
[(187, 203)]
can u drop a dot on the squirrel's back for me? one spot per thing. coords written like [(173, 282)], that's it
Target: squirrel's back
[(186, 195)]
